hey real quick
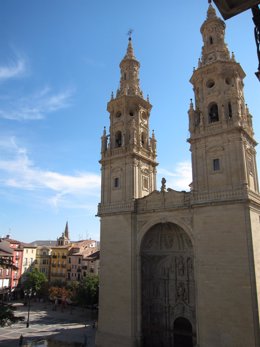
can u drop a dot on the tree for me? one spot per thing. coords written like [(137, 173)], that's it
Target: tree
[(34, 280), (59, 293), (87, 291), (7, 316)]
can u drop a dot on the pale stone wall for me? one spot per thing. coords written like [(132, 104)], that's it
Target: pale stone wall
[(225, 302), (114, 326), (255, 239)]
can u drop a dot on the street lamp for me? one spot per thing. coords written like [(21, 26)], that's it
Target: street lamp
[(230, 8), (28, 293)]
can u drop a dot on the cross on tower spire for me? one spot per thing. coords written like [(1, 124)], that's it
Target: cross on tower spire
[(129, 33)]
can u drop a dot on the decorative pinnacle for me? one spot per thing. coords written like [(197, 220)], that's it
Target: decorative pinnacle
[(130, 51), (211, 13)]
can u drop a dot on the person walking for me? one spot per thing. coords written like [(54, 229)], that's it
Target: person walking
[(21, 340)]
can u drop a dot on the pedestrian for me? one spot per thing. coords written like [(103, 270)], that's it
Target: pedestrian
[(21, 340)]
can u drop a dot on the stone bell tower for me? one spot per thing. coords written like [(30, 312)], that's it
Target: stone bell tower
[(225, 197), (128, 152), (128, 165), (222, 143)]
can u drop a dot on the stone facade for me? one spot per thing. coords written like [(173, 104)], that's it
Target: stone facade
[(181, 268)]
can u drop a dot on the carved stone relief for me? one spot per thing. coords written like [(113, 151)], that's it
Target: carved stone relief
[(168, 289)]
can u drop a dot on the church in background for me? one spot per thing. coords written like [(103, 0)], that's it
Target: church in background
[(181, 269)]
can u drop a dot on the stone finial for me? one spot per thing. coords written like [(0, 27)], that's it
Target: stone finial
[(163, 187), (153, 142), (112, 96), (104, 141)]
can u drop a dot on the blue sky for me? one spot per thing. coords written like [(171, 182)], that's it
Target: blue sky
[(58, 66)]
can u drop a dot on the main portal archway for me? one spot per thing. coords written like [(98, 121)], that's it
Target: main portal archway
[(167, 287)]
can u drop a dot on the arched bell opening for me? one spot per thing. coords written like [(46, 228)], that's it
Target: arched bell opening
[(118, 139), (213, 113), (167, 286)]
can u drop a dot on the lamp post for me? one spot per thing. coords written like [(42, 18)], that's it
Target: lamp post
[(230, 8), (28, 293)]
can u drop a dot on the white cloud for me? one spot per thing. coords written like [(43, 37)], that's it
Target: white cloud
[(179, 178), (37, 105), (12, 70), (19, 172)]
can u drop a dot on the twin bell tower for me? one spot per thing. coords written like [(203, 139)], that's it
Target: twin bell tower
[(181, 269)]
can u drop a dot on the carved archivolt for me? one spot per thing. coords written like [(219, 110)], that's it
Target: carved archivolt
[(166, 236), (168, 289)]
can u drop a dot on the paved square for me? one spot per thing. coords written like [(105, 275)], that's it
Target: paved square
[(68, 325)]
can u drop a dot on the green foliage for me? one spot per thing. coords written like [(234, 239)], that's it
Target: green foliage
[(7, 316), (87, 291), (34, 280)]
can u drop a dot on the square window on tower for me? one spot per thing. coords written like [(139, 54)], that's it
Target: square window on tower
[(216, 165), (116, 182)]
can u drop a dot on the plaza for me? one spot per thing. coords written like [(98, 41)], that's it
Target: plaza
[(70, 326)]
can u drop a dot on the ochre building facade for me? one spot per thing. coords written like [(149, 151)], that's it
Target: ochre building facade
[(181, 269)]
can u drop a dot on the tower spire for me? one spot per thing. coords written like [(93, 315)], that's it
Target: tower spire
[(66, 231), (213, 33), (129, 66)]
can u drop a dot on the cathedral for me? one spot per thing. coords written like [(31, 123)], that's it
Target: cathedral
[(181, 269)]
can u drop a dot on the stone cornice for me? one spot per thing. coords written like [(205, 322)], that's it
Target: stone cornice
[(116, 207)]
